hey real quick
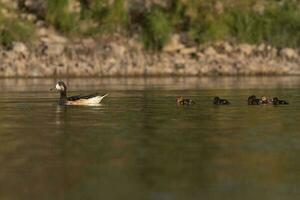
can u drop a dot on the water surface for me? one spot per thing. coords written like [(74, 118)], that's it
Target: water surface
[(139, 145)]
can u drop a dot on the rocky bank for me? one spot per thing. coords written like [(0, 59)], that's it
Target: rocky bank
[(52, 54)]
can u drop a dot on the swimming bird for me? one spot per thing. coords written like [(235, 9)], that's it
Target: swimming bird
[(265, 100), (277, 101), (91, 99), (181, 101), (218, 101), (252, 100)]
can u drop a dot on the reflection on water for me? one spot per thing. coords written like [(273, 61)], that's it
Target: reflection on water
[(139, 145), (179, 83)]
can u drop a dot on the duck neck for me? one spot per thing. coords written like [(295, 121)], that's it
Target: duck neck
[(63, 97)]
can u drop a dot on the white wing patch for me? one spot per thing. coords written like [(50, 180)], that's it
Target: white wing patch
[(91, 101)]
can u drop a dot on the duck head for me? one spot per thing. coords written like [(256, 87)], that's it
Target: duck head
[(266, 100), (179, 99), (216, 99), (61, 88), (251, 97), (275, 100)]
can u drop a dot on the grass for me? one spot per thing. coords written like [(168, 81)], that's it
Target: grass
[(58, 15), (156, 30), (204, 21), (14, 29), (278, 26), (110, 18)]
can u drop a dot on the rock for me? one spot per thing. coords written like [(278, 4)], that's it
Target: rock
[(117, 50), (54, 49), (288, 53), (259, 8), (45, 40), (174, 44), (5, 12), (200, 55), (14, 5), (42, 32), (135, 44), (9, 71), (246, 49), (74, 6), (218, 7), (19, 47), (10, 3), (57, 38), (23, 16), (261, 48), (38, 7), (89, 43), (179, 62), (40, 23), (31, 17), (188, 51), (210, 51), (225, 47), (273, 52)]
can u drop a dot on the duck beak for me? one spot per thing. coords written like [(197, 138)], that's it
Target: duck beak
[(52, 89)]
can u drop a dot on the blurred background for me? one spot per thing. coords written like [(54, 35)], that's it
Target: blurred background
[(149, 37)]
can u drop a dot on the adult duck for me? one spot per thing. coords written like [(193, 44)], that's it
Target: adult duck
[(91, 99)]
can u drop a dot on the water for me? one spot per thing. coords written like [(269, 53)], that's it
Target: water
[(139, 145)]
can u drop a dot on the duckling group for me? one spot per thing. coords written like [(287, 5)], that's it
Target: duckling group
[(252, 100)]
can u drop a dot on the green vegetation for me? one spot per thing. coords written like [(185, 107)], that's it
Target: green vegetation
[(156, 30), (58, 15), (14, 29), (279, 26), (275, 22)]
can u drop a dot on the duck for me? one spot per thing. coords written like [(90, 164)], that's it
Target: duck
[(218, 101), (91, 99), (252, 100), (265, 100), (182, 101), (277, 101)]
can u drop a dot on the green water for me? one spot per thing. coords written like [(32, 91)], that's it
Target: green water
[(139, 145)]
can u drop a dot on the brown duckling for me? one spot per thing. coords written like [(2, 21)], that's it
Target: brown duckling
[(277, 101), (218, 101), (265, 100), (182, 101), (252, 100)]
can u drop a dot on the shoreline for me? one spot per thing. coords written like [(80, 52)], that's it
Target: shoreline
[(56, 56), (152, 76), (113, 85)]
